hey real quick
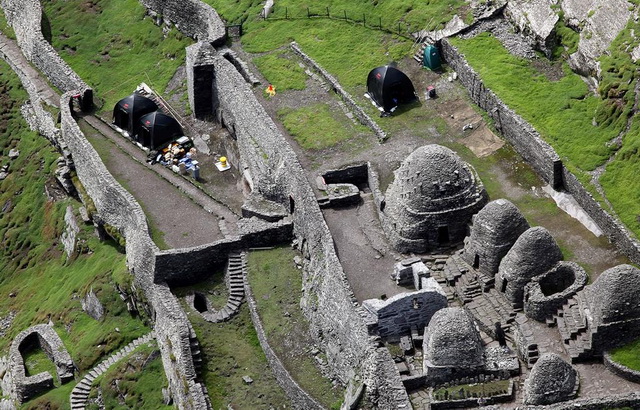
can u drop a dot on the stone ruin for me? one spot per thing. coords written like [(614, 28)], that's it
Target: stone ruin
[(42, 336), (431, 200)]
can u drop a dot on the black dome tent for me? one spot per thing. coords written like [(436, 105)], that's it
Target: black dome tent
[(387, 86), (157, 129), (129, 110)]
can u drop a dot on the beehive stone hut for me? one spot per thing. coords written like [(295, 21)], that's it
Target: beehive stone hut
[(534, 253), (495, 229), (551, 380), (431, 200), (452, 346), (615, 306)]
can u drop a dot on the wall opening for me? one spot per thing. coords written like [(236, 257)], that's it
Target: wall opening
[(200, 302), (503, 287), (443, 235), (476, 261), (292, 204)]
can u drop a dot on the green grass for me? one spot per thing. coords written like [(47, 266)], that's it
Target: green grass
[(276, 284), (628, 355), (331, 44), (44, 284), (36, 361), (562, 111), (413, 15), (112, 47), (314, 127), (481, 389), (231, 350), (238, 11), (282, 70), (140, 378)]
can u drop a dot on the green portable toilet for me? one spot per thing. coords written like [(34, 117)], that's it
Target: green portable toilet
[(431, 58)]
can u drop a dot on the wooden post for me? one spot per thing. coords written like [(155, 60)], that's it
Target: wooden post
[(286, 13), (364, 19), (308, 13), (380, 22), (345, 15), (328, 15)]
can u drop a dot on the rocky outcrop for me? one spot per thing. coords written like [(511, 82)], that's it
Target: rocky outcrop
[(535, 19), (91, 304), (599, 23)]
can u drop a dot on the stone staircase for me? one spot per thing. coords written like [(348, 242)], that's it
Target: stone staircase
[(475, 290), (236, 270), (420, 53), (80, 392), (574, 329)]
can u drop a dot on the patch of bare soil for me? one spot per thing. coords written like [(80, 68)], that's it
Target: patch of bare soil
[(550, 69)]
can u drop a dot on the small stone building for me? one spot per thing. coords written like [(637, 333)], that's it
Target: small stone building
[(534, 253), (614, 305), (452, 346), (398, 315), (495, 229), (551, 380), (431, 200)]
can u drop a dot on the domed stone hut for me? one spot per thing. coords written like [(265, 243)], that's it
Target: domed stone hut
[(551, 380), (615, 306), (534, 253), (452, 346), (495, 229), (431, 200)]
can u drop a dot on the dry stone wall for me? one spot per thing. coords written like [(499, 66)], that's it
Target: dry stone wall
[(25, 17), (118, 208), (328, 301), (346, 97), (540, 155), (194, 18)]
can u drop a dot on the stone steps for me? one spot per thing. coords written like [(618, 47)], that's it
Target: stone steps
[(80, 392), (236, 270)]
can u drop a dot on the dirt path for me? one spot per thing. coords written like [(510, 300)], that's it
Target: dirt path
[(179, 220)]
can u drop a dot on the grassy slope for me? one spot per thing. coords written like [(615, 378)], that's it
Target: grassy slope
[(628, 355), (231, 350), (112, 47), (561, 111), (45, 286), (276, 284)]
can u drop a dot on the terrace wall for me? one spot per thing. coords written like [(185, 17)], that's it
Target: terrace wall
[(540, 155), (328, 302), (25, 17)]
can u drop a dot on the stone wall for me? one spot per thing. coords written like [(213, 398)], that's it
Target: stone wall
[(630, 400), (25, 17), (194, 18), (328, 301), (26, 387), (620, 370), (540, 305), (189, 266), (540, 155), (118, 208), (300, 399), (524, 138), (346, 97)]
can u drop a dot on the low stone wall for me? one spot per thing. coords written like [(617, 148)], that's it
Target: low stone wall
[(524, 138), (25, 387), (631, 400), (300, 399), (537, 305), (346, 97), (194, 18), (620, 370), (25, 17), (328, 302), (540, 155)]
